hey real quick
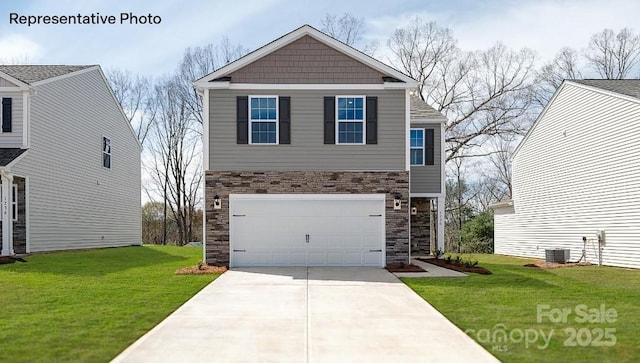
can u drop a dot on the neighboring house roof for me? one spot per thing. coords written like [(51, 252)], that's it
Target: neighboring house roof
[(629, 87), (35, 73), (7, 155), (623, 88), (502, 204), (401, 79), (420, 110)]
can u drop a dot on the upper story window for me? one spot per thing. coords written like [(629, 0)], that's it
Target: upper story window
[(417, 146), (5, 115), (106, 152), (350, 114), (263, 119)]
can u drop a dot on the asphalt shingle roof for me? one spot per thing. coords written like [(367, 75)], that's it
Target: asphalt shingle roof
[(35, 73), (629, 87), (7, 155), (421, 110)]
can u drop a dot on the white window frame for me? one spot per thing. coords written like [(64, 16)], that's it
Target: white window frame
[(277, 121), (415, 147), (364, 119), (14, 202), (102, 152)]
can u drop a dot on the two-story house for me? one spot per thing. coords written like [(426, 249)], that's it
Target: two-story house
[(316, 154), (69, 161)]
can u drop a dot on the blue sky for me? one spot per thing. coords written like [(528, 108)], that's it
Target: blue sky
[(154, 50)]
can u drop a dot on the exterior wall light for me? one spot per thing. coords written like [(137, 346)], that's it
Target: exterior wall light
[(397, 203), (217, 203)]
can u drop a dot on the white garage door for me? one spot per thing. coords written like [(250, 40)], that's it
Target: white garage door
[(307, 230)]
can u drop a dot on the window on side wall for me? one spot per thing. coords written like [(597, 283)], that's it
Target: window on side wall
[(417, 146), (106, 152), (263, 119), (350, 114)]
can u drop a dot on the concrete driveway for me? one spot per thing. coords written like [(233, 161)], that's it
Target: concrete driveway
[(306, 315)]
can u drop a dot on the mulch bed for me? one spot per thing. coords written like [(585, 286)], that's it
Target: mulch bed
[(442, 263), (545, 265), (403, 267), (201, 270), (10, 259)]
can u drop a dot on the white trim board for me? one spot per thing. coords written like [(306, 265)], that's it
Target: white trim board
[(302, 86), (379, 196), (426, 195), (286, 39), (19, 84), (429, 120)]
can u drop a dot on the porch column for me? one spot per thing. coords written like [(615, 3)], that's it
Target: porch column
[(440, 228), (7, 218)]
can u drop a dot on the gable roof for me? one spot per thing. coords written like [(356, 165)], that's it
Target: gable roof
[(30, 74), (405, 81), (420, 110), (628, 89)]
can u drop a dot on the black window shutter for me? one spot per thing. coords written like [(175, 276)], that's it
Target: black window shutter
[(372, 120), (284, 114), (242, 118), (6, 115), (429, 146), (330, 120)]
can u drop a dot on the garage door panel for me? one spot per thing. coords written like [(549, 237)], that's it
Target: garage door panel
[(371, 258), (272, 231)]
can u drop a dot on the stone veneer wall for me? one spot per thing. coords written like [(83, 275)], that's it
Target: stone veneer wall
[(19, 226), (420, 227), (224, 183)]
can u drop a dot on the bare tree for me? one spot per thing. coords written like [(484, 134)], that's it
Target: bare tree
[(614, 56), (483, 94), (349, 30), (198, 62), (501, 162), (565, 65), (175, 158), (424, 51), (132, 92), (16, 60)]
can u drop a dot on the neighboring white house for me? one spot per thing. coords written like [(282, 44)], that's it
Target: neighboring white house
[(69, 161), (575, 173)]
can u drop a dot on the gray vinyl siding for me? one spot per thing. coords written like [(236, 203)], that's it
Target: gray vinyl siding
[(73, 201), (13, 138), (578, 171), (307, 150), (428, 178)]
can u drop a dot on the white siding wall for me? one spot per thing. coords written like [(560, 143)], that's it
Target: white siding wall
[(578, 171), (14, 138), (74, 202)]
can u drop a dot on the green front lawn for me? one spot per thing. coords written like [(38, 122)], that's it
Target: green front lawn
[(87, 306), (512, 296)]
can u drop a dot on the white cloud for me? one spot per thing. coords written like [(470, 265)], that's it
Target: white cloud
[(17, 48), (544, 26)]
